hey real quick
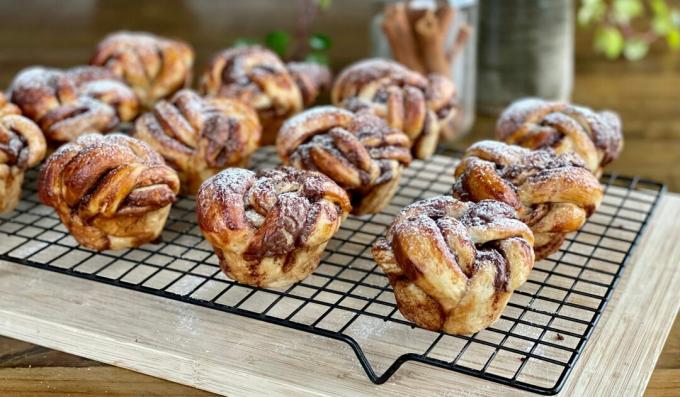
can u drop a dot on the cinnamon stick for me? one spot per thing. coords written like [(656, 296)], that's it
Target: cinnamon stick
[(399, 34), (431, 38), (464, 33)]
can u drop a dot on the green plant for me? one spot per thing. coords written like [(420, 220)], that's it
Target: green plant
[(630, 27), (303, 45)]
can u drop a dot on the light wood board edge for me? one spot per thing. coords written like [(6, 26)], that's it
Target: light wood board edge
[(231, 355)]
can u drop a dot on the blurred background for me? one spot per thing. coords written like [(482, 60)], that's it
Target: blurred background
[(616, 54), (606, 54)]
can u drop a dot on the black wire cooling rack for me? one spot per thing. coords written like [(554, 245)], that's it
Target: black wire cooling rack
[(533, 346)]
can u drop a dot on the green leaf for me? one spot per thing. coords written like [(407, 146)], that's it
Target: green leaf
[(625, 10), (673, 39), (659, 8), (278, 41), (591, 11), (317, 57), (661, 25), (635, 49), (244, 42), (609, 41), (324, 4), (319, 42)]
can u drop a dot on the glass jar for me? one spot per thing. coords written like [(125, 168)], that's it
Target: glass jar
[(462, 69), (526, 48)]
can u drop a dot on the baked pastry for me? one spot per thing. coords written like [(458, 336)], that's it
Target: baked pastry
[(259, 78), (417, 105), (199, 136), (537, 124), (358, 151), (22, 145), (312, 79), (111, 191), (66, 104), (155, 67), (454, 265), (269, 229), (553, 194)]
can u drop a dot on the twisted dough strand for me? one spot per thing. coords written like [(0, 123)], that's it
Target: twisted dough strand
[(270, 228), (454, 265), (553, 194), (153, 66), (260, 79), (537, 124), (200, 136), (358, 151), (22, 146), (110, 191), (66, 104), (410, 102)]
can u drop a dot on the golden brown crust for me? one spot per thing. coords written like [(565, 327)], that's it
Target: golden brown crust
[(358, 151), (312, 79), (260, 79), (553, 194), (66, 104), (454, 265), (417, 105), (22, 145), (269, 229), (7, 107), (155, 67), (537, 124), (200, 136), (111, 192)]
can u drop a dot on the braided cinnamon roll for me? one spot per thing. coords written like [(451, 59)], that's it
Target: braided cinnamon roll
[(409, 101), (257, 77), (536, 124), (22, 145), (454, 265), (66, 104), (111, 192), (269, 229), (155, 67), (311, 78), (358, 151), (553, 194), (198, 136)]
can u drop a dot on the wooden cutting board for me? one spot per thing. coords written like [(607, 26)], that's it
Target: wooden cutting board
[(232, 355)]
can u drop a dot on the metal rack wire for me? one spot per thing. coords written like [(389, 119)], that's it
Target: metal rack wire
[(534, 345)]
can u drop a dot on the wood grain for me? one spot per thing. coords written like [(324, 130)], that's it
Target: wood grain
[(63, 33), (230, 355)]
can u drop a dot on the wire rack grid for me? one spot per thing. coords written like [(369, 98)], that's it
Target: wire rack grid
[(533, 346)]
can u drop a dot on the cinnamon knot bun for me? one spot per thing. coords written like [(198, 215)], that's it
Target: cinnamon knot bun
[(111, 192), (553, 194), (312, 79), (66, 104), (454, 265), (259, 78), (536, 124), (358, 151), (269, 228), (155, 67), (199, 136), (22, 145), (410, 102)]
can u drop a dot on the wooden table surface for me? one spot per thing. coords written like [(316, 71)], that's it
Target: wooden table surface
[(646, 94)]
